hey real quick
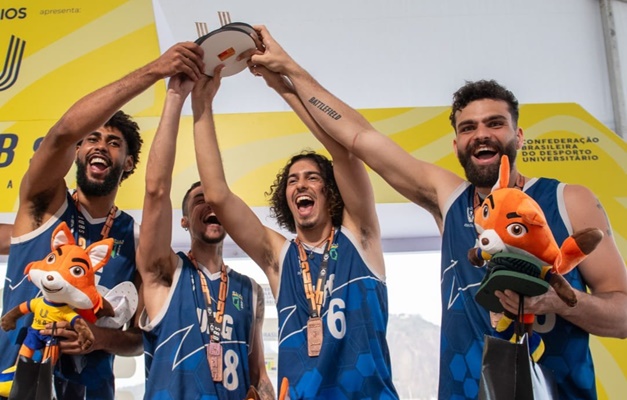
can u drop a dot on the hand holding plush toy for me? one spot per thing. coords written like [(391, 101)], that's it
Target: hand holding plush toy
[(66, 278), (522, 254)]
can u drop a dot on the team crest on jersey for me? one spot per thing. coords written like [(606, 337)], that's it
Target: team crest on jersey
[(238, 300), (470, 215), (333, 251), (117, 247)]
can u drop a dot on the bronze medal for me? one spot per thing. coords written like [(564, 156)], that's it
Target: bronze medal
[(214, 356), (314, 336)]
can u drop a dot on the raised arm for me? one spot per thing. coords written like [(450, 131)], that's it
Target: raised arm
[(155, 259), (5, 238), (360, 215), (423, 183), (256, 360), (262, 244), (43, 182)]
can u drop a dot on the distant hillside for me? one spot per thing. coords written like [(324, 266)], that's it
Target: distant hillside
[(414, 349)]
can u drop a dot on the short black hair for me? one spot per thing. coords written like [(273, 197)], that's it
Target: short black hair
[(130, 130), (479, 90), (186, 197), (279, 208)]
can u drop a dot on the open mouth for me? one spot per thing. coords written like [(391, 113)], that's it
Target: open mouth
[(211, 219), (304, 203), (98, 163), (485, 153)]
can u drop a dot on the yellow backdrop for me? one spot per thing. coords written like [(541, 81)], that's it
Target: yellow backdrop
[(59, 51)]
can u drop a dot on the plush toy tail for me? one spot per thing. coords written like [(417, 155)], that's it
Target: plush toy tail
[(561, 286), (505, 329), (284, 391), (576, 247)]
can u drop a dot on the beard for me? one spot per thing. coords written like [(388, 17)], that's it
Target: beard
[(213, 239), (97, 189), (485, 176)]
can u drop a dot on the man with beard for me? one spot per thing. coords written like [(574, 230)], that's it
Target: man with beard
[(485, 118), (328, 282), (198, 341), (105, 144)]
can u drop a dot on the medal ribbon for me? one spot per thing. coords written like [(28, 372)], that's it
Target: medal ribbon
[(215, 320), (315, 298), (80, 228)]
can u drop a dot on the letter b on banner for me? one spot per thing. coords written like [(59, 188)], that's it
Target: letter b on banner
[(8, 143)]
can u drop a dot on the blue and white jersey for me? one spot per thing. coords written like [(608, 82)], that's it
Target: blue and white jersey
[(464, 322), (175, 341), (97, 366), (354, 361)]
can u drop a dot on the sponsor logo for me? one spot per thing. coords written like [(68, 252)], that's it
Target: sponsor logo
[(12, 62), (12, 13)]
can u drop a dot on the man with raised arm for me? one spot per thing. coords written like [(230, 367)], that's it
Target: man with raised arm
[(199, 339), (105, 144), (329, 281), (485, 118)]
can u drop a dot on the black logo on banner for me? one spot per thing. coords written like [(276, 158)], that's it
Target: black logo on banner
[(12, 62)]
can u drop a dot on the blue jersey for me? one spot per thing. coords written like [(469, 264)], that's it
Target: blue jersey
[(464, 322), (175, 341), (354, 361), (96, 367)]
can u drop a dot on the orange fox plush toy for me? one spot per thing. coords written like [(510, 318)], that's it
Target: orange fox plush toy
[(522, 254), (67, 282)]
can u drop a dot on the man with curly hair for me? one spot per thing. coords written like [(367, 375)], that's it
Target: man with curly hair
[(105, 144), (485, 119), (329, 281)]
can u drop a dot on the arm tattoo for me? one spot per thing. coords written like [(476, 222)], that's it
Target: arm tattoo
[(607, 220), (265, 390), (259, 314), (325, 109)]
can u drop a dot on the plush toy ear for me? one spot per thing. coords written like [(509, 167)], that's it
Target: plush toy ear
[(530, 212), (503, 181), (27, 269), (61, 236), (99, 253)]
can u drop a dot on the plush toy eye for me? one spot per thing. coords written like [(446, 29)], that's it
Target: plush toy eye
[(51, 258), (77, 271), (485, 211), (517, 229)]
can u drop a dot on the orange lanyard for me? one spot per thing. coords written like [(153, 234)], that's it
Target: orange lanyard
[(314, 297), (81, 222), (215, 319)]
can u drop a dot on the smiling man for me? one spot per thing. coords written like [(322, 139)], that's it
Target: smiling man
[(105, 143), (485, 118), (329, 281), (202, 320)]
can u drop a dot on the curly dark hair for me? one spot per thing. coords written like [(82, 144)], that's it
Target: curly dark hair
[(480, 90), (130, 130), (278, 199)]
